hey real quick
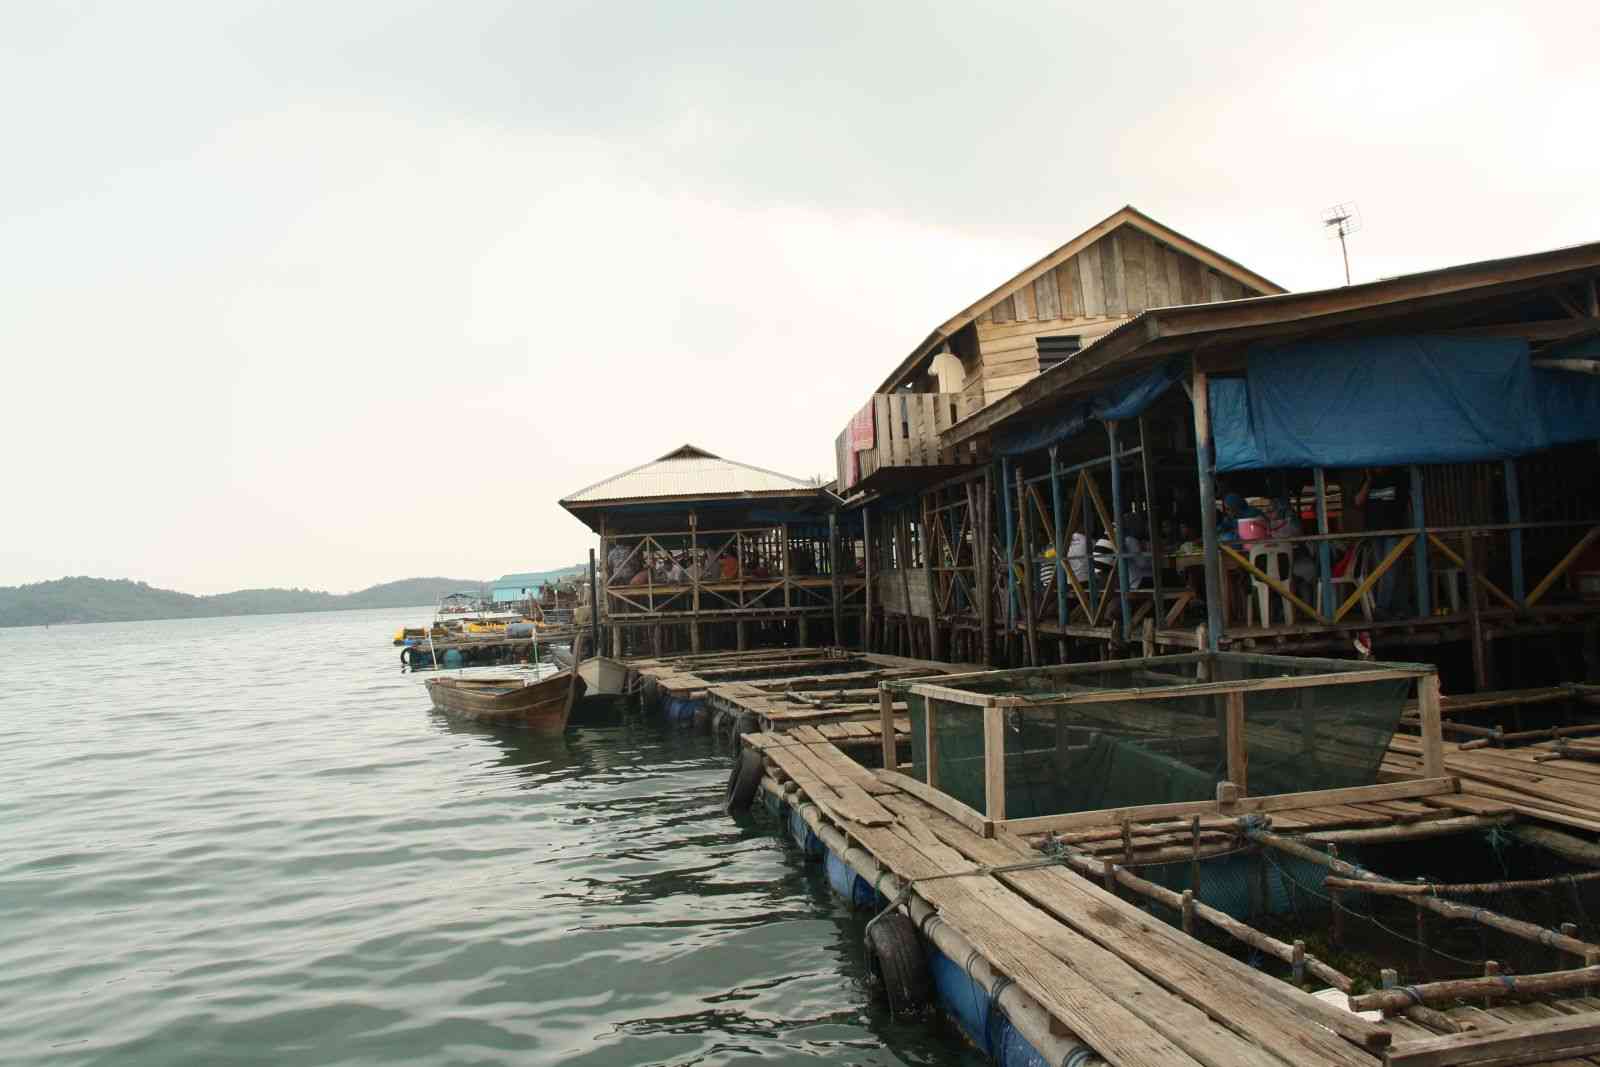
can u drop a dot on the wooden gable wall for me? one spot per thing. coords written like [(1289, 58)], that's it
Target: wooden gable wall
[(1123, 273)]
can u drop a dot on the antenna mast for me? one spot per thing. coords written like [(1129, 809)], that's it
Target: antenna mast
[(1343, 220)]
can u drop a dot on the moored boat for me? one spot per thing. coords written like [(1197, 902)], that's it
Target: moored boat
[(543, 705)]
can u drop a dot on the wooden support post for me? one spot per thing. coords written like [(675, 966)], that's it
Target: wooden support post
[(1432, 733), (836, 586), (1519, 590), (1205, 460), (929, 561), (1490, 969), (1336, 918), (1194, 862), (981, 507), (1422, 942), (866, 592), (1297, 963), (1060, 538), (1238, 755), (1424, 588), (891, 757), (1480, 649), (1188, 912), (1028, 574), (930, 741), (994, 763), (743, 635), (1011, 546), (1119, 531), (1153, 522), (1324, 548), (902, 553)]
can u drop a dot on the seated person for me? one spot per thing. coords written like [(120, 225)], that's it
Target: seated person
[(730, 567), (675, 571), (640, 577), (621, 564)]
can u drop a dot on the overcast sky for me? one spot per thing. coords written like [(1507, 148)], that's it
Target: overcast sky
[(331, 293)]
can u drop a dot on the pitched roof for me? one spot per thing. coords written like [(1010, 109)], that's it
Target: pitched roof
[(688, 471), (1126, 216), (1159, 333)]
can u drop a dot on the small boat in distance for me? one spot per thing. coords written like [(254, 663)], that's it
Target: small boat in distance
[(543, 705)]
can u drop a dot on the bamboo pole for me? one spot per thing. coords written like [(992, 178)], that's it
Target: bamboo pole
[(1439, 889), (1516, 927), (1496, 985), (1185, 904)]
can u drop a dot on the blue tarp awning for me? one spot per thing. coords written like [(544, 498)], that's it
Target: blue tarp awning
[(1125, 400), (1397, 400)]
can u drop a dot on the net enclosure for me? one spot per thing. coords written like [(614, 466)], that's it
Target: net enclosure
[(1090, 736)]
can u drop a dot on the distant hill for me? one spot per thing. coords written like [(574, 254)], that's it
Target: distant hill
[(68, 600)]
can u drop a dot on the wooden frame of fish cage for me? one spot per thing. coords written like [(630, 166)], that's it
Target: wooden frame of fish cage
[(1232, 796)]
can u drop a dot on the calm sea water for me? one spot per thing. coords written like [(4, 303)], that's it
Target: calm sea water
[(250, 841)]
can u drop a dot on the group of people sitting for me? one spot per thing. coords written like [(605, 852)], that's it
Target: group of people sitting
[(1103, 560), (626, 565)]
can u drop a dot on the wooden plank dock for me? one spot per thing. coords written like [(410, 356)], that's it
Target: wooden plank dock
[(1104, 971), (1055, 922)]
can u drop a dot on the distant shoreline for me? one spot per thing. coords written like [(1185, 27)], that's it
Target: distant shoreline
[(80, 601)]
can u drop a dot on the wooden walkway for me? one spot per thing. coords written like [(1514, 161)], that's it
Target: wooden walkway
[(1136, 989)]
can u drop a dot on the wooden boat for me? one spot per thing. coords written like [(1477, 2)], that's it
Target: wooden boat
[(542, 705)]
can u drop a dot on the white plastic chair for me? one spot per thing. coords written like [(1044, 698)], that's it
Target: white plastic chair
[(1278, 561), (1352, 578)]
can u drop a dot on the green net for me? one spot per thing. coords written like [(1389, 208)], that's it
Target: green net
[(1129, 746)]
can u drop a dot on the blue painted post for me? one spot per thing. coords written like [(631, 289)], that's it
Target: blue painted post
[(1324, 548), (1519, 591), (1117, 531), (1061, 551), (1011, 545), (1420, 549)]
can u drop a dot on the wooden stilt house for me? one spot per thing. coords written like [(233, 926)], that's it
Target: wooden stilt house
[(697, 551), (923, 499), (1412, 464)]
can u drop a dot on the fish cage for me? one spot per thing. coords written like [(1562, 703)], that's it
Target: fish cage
[(1053, 748)]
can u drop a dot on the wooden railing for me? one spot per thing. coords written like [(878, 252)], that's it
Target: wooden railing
[(905, 433)]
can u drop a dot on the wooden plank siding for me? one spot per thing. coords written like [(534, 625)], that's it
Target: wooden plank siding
[(906, 429), (1108, 282)]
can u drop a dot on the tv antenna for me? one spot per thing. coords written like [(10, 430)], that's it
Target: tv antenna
[(1343, 219)]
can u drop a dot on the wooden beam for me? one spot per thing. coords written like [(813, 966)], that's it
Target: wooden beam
[(1542, 1041), (891, 758), (1359, 794), (994, 765), (1238, 755), (1432, 735), (944, 802), (1379, 571), (1561, 568)]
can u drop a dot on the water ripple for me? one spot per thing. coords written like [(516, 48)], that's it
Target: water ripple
[(248, 841)]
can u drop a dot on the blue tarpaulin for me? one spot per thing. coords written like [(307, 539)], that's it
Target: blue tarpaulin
[(1397, 400), (1124, 400)]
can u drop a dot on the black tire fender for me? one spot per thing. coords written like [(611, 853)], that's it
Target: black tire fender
[(896, 963), (746, 723), (744, 781)]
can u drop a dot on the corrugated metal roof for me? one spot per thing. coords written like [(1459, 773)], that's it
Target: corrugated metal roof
[(688, 472)]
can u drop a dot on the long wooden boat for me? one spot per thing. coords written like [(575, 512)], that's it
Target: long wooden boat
[(544, 705)]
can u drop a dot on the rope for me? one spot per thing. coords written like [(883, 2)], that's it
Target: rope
[(1365, 918)]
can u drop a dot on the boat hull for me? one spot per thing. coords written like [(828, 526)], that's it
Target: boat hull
[(603, 674), (545, 705)]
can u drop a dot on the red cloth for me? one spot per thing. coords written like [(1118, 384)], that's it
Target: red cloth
[(861, 430)]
